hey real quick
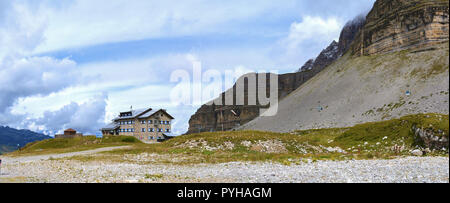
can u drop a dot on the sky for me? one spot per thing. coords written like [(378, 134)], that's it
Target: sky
[(78, 63)]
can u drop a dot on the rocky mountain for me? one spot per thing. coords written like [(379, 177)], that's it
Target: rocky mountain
[(336, 49), (394, 25), (10, 137), (226, 117), (398, 65), (365, 77), (349, 32)]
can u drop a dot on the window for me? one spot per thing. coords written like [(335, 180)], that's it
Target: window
[(143, 129), (167, 130), (132, 129), (160, 122), (150, 121), (159, 129), (150, 130), (168, 122), (142, 122)]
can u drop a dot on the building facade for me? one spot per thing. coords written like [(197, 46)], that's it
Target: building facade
[(147, 125)]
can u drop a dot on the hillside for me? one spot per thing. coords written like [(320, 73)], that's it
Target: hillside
[(363, 89), (398, 65), (64, 145), (377, 140), (10, 137)]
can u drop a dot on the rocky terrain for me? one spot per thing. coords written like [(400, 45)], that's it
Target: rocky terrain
[(357, 90), (401, 170)]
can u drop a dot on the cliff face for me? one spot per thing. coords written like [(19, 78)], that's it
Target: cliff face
[(349, 33), (210, 117), (394, 25)]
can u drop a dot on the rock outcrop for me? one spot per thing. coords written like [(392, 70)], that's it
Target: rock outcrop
[(325, 58), (350, 30), (336, 49), (211, 117), (394, 25), (431, 139)]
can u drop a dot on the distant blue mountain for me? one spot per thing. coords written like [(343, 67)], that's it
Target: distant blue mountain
[(10, 138)]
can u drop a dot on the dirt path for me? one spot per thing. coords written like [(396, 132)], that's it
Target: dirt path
[(25, 159)]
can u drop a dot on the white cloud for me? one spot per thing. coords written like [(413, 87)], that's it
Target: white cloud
[(87, 117), (22, 75), (312, 30), (85, 22), (33, 88)]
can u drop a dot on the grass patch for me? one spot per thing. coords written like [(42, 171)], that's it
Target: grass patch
[(63, 145), (375, 140)]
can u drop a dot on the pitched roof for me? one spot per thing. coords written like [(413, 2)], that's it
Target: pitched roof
[(142, 113), (148, 114), (111, 126), (134, 113), (169, 134), (152, 112)]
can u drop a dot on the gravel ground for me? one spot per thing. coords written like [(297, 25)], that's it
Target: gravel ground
[(401, 170), (24, 159)]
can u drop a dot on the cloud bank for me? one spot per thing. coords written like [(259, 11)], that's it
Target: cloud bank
[(77, 63)]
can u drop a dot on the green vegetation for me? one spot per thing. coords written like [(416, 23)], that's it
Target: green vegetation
[(63, 145), (153, 176), (375, 140), (386, 139)]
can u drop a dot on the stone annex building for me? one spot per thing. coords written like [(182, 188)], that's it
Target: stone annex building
[(147, 125), (69, 133)]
